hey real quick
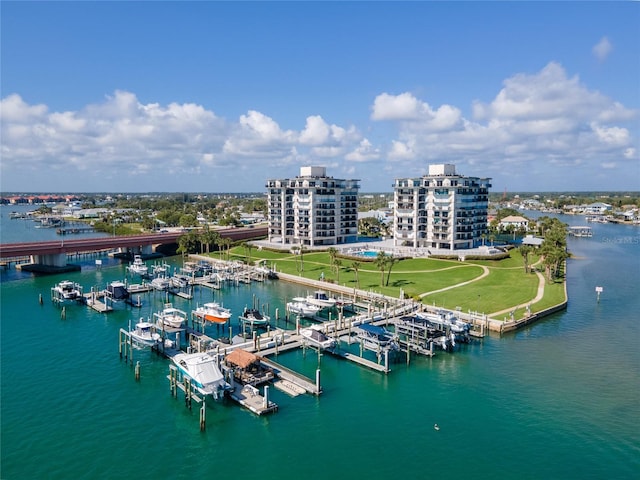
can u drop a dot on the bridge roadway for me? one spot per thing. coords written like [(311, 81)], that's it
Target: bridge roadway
[(8, 250)]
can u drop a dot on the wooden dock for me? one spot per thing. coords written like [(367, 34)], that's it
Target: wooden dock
[(295, 378), (359, 360), (250, 398), (93, 300)]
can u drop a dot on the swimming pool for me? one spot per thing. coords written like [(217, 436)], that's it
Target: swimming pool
[(367, 253)]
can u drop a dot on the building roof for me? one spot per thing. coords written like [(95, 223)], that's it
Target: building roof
[(514, 219), (241, 358), (533, 241)]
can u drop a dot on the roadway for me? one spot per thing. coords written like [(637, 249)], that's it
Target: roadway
[(104, 243)]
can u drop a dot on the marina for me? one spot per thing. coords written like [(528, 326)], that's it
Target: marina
[(492, 390)]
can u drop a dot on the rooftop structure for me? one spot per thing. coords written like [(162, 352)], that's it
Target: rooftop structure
[(442, 209), (312, 209)]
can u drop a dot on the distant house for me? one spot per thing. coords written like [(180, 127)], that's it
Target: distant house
[(532, 241), (597, 208), (514, 221)]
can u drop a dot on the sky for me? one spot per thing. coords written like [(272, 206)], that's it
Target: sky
[(223, 96)]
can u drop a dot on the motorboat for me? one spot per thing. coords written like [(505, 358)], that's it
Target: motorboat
[(179, 281), (138, 266), (66, 290), (117, 291), (170, 316), (204, 371), (300, 306), (321, 299), (253, 317), (144, 334), (213, 312), (375, 338), (447, 322), (315, 337), (161, 283)]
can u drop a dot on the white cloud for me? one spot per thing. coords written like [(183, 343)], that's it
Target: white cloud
[(546, 118), (120, 134), (395, 107), (602, 49), (364, 152)]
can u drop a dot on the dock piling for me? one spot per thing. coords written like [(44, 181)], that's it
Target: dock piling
[(203, 416), (137, 371)]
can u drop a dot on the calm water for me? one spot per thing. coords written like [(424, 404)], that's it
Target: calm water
[(560, 399)]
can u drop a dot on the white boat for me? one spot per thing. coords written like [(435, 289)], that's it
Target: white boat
[(317, 338), (161, 283), (213, 312), (253, 317), (138, 266), (204, 371), (171, 316), (144, 334), (445, 321), (321, 299), (376, 338), (300, 306), (66, 290)]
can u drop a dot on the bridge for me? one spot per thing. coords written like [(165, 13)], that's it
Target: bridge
[(53, 254)]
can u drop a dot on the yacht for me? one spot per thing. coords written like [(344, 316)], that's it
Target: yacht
[(138, 266), (66, 290), (204, 371), (213, 312)]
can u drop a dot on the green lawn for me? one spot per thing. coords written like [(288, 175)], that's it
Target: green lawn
[(505, 287)]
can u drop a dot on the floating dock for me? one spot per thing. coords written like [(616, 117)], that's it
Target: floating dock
[(250, 398)]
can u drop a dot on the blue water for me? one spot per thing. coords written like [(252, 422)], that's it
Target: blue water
[(559, 399), (367, 253)]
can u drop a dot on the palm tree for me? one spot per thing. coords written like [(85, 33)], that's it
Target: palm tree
[(188, 243), (302, 249), (337, 263), (525, 251), (356, 266), (391, 261), (333, 252), (381, 263), (227, 243)]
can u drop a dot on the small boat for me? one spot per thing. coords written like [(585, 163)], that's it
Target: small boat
[(66, 290), (144, 334), (376, 338), (204, 371), (317, 338), (138, 266), (213, 312), (253, 317), (171, 316), (117, 291), (321, 299), (300, 306), (161, 283)]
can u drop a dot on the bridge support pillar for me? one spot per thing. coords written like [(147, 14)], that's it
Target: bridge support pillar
[(51, 260), (49, 263)]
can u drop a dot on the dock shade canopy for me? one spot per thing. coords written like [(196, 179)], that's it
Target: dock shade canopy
[(241, 358)]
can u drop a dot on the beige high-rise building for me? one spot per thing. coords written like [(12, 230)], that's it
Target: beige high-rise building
[(441, 210), (312, 209)]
